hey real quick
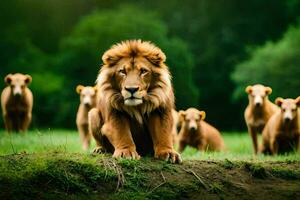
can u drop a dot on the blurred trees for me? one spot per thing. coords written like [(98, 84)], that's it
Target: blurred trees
[(276, 64), (81, 52), (61, 42)]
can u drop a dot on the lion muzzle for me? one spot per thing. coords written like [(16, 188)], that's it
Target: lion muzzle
[(131, 96)]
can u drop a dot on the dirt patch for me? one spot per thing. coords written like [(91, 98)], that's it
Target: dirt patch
[(79, 176)]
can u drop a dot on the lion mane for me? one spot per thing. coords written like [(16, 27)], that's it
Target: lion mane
[(160, 93)]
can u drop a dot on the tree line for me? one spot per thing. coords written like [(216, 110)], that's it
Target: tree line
[(214, 49)]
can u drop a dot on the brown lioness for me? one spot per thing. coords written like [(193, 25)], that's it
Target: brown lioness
[(258, 111), (87, 102), (197, 133), (17, 102), (282, 132)]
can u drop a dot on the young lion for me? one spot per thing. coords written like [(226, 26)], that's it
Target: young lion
[(282, 132), (258, 111), (134, 109), (198, 133), (87, 102), (16, 102)]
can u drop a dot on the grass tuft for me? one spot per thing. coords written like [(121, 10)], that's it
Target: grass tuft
[(256, 170)]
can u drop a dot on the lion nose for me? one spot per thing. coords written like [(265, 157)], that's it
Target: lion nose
[(257, 104), (132, 90), (193, 128)]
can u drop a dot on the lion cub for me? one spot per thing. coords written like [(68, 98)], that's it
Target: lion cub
[(17, 102), (258, 111), (198, 133), (87, 102), (282, 132)]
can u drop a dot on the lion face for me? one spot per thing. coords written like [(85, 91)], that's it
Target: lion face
[(289, 108), (87, 95), (18, 83), (134, 77), (258, 94), (191, 118)]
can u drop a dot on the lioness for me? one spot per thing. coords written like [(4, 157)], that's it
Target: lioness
[(258, 111), (87, 102), (135, 100), (282, 132), (17, 102), (197, 133)]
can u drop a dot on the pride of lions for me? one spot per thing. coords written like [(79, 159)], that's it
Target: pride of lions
[(131, 111)]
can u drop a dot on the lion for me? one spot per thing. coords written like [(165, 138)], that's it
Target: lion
[(258, 111), (198, 133), (17, 102), (282, 132), (135, 98), (87, 102)]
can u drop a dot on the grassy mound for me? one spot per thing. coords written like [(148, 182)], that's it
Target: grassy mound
[(60, 175)]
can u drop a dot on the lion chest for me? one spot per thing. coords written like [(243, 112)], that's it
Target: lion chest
[(142, 138)]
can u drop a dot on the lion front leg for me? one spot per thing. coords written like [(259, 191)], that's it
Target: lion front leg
[(95, 124), (160, 128), (117, 130), (274, 146), (8, 122)]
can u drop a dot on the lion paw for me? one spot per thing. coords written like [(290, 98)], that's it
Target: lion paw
[(98, 150), (126, 153), (169, 155)]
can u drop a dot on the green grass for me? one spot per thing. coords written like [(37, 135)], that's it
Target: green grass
[(40, 141), (48, 164), (239, 147)]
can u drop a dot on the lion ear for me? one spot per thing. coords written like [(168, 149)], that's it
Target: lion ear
[(298, 101), (95, 88), (28, 79), (248, 89), (8, 79), (79, 88), (268, 90), (181, 115), (157, 58), (279, 101), (110, 58), (202, 115)]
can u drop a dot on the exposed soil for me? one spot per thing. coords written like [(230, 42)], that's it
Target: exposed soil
[(78, 176)]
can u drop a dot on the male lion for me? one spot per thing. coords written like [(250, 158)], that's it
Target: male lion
[(134, 103)]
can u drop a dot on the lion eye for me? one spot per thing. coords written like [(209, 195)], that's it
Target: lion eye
[(143, 71), (122, 72)]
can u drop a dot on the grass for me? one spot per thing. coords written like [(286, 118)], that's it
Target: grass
[(239, 147), (50, 164)]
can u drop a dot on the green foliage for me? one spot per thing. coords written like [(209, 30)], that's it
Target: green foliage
[(81, 52), (275, 64)]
